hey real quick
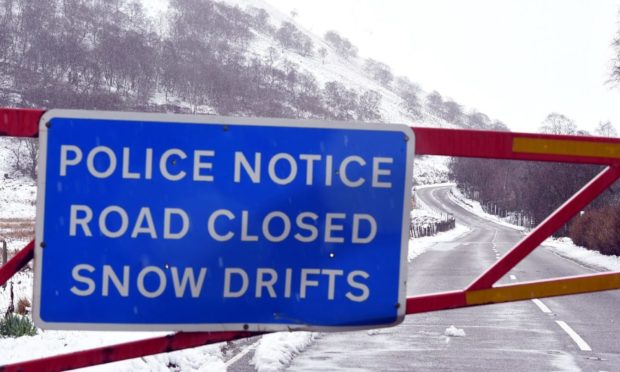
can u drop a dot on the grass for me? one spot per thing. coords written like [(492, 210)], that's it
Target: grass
[(14, 325)]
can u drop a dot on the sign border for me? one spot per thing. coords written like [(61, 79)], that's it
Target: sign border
[(408, 136)]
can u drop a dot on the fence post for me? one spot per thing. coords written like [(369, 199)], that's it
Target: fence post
[(5, 254)]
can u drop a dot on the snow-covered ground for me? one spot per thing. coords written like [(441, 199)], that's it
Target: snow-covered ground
[(475, 208), (418, 246)]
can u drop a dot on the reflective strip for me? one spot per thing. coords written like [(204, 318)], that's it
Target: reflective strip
[(558, 287), (566, 147)]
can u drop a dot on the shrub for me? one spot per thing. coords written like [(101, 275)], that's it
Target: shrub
[(16, 326), (598, 229)]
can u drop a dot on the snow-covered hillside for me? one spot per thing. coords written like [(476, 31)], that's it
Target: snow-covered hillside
[(334, 67), (351, 73)]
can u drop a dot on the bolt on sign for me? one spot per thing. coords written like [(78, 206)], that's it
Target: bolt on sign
[(188, 223)]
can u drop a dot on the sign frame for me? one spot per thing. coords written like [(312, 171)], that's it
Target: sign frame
[(408, 137)]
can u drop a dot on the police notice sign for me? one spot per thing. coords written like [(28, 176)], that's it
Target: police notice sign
[(174, 222)]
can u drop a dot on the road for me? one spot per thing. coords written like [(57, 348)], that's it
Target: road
[(574, 333)]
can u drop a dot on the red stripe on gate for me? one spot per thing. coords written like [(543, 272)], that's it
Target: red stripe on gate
[(19, 122), (503, 145)]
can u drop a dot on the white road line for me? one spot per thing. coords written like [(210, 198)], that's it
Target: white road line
[(237, 357), (512, 277), (541, 306), (578, 340)]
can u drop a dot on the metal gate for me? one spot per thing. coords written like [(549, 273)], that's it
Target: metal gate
[(429, 141)]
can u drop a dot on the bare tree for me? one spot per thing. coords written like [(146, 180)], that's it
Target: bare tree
[(323, 54), (32, 157), (556, 123), (369, 104), (434, 103), (342, 45), (606, 129), (15, 148), (340, 102), (379, 71), (453, 112)]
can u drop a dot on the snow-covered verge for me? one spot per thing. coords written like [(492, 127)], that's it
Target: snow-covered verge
[(276, 350), (566, 248), (418, 246), (17, 198), (475, 208)]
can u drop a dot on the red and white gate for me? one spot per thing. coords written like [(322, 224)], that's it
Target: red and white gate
[(429, 141)]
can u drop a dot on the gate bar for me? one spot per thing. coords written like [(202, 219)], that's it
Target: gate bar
[(17, 262), (453, 142), (517, 146)]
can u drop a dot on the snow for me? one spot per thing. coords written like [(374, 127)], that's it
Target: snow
[(418, 246), (276, 350), (429, 186), (17, 193), (452, 331), (566, 248), (430, 170), (13, 194), (349, 72), (475, 208)]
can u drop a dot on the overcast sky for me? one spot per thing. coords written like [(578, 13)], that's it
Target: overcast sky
[(516, 61)]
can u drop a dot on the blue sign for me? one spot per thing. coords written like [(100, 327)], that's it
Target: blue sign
[(178, 222)]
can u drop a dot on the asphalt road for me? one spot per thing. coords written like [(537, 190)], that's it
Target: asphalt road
[(571, 333)]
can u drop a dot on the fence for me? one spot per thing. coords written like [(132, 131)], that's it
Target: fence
[(447, 222)]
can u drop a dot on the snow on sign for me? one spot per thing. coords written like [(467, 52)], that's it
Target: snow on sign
[(174, 222)]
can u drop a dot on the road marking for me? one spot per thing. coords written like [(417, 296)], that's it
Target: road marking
[(512, 277), (243, 352), (541, 306), (578, 340)]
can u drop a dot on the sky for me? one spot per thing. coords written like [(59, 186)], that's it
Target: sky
[(514, 60)]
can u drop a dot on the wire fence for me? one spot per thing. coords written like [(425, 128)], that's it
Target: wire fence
[(447, 222)]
